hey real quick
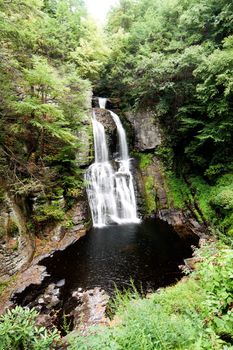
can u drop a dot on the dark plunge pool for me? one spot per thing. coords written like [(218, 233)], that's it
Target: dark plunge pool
[(148, 254)]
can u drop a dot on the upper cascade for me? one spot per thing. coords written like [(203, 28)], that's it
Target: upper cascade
[(110, 193), (102, 102)]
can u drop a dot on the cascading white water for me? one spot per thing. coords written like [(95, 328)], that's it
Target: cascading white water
[(100, 180), (125, 195), (111, 194)]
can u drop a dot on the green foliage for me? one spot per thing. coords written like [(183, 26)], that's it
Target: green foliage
[(178, 191), (202, 192), (214, 201), (144, 160), (49, 212), (13, 229), (217, 281), (50, 51), (194, 314), (166, 154), (176, 57), (18, 330), (221, 201), (91, 53), (150, 195)]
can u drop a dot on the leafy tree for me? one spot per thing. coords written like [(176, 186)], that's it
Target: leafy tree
[(45, 96), (175, 57)]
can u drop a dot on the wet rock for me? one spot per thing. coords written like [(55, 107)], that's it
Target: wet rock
[(191, 263), (80, 213), (95, 102), (91, 310), (45, 321), (146, 128), (35, 275), (54, 301), (57, 233), (183, 223), (104, 117), (155, 175), (61, 283)]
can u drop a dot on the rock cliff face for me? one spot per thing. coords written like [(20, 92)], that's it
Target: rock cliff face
[(16, 245), (147, 131), (85, 153), (104, 117), (153, 192), (18, 238)]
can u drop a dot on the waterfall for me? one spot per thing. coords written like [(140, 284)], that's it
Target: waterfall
[(110, 193)]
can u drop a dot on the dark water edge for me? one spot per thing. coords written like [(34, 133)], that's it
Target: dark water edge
[(149, 254)]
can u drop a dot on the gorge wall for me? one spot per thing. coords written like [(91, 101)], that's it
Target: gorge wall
[(21, 240), (35, 222)]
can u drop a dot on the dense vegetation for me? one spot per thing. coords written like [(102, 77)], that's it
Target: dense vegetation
[(50, 52), (176, 58)]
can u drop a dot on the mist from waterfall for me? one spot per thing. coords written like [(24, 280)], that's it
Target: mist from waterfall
[(110, 192)]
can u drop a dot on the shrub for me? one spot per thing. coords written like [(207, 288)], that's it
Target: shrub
[(217, 281), (18, 331), (49, 212)]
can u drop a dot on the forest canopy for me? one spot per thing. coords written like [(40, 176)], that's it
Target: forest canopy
[(51, 54), (177, 57)]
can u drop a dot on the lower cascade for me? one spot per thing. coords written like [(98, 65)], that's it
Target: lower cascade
[(110, 192)]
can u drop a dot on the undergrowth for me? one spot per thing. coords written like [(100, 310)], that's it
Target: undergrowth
[(18, 331), (178, 192), (214, 200), (195, 314)]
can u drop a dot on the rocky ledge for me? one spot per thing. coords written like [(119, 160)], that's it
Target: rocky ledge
[(183, 223)]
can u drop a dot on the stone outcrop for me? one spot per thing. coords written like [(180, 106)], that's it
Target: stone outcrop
[(34, 276), (151, 188), (183, 223), (17, 243), (104, 117), (90, 310), (151, 180), (17, 246), (11, 261), (146, 128), (84, 155)]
